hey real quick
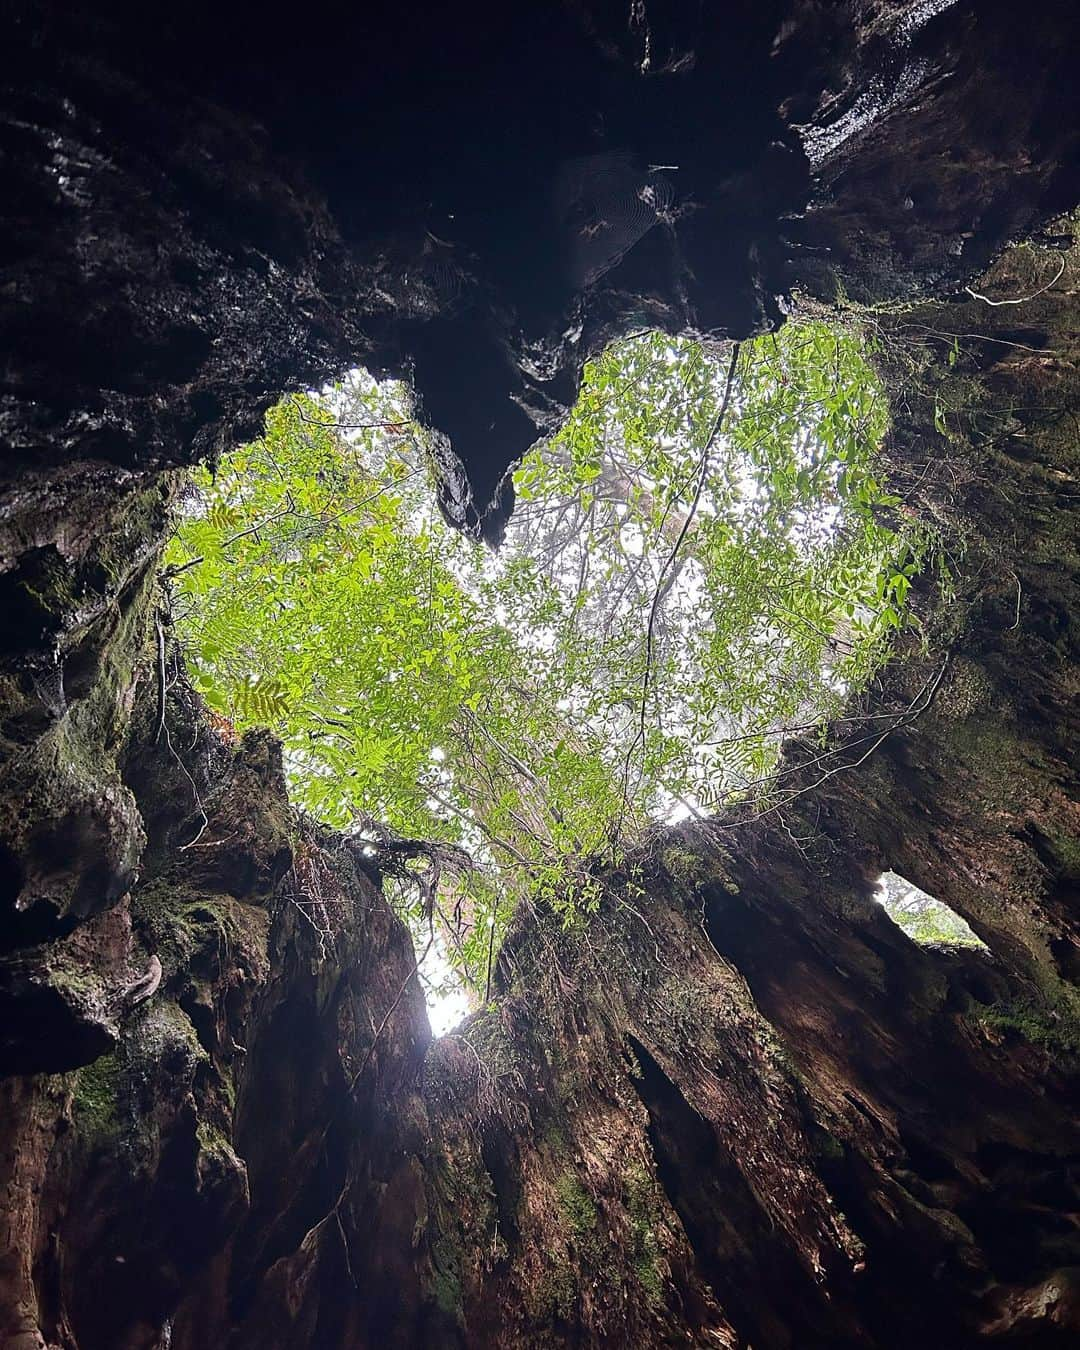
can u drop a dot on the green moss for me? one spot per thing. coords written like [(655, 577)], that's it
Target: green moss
[(827, 1147), (160, 915), (460, 1218), (689, 868), (554, 1293), (576, 1204), (228, 1087), (1066, 852), (1054, 1029), (1007, 767), (681, 864), (641, 1203), (105, 1101), (446, 1277), (212, 1138), (168, 1024), (966, 691), (216, 1152), (177, 924), (554, 1139), (51, 588), (70, 769), (82, 985), (95, 1099), (144, 517), (645, 1268)]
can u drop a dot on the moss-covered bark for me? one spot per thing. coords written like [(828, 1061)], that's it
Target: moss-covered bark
[(737, 1108)]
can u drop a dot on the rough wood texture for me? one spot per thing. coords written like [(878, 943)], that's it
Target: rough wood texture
[(741, 1108)]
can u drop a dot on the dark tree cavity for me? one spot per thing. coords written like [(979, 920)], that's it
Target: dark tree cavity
[(744, 1108)]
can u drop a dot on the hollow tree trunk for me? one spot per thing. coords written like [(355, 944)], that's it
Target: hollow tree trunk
[(738, 1108)]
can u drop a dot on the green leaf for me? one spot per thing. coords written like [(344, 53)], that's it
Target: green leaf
[(335, 606)]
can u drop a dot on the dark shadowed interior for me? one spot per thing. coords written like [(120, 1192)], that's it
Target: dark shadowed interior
[(749, 1110)]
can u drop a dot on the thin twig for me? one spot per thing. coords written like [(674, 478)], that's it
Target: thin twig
[(389, 1013), (904, 720), (490, 957), (1023, 300), (639, 739), (161, 678), (351, 426), (1019, 593), (170, 572)]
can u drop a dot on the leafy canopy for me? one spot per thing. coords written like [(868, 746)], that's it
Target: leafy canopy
[(696, 567)]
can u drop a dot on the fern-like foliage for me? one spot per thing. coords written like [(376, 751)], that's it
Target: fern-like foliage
[(697, 567)]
